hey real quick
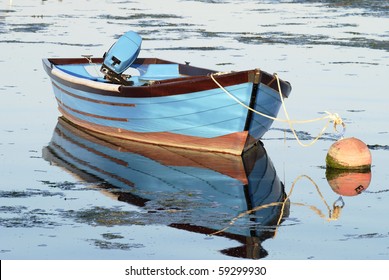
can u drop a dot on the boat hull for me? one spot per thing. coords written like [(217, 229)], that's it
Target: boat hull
[(195, 114)]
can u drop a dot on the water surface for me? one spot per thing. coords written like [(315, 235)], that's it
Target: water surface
[(57, 203)]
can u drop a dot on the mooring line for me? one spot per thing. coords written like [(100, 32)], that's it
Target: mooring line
[(334, 117)]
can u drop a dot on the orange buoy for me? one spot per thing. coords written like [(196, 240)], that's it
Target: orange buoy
[(348, 183), (349, 153)]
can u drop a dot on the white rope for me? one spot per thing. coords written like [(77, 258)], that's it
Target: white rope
[(334, 117), (88, 57)]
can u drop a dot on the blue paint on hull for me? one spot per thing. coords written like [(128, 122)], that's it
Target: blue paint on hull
[(207, 114), (268, 102)]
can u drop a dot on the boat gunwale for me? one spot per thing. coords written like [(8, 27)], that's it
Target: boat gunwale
[(198, 80)]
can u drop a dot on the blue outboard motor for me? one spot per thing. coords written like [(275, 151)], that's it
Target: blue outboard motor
[(120, 56)]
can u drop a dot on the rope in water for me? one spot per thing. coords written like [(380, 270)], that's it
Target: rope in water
[(334, 117)]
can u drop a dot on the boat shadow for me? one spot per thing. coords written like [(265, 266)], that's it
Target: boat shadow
[(201, 192)]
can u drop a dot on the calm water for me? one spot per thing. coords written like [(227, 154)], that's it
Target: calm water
[(53, 205)]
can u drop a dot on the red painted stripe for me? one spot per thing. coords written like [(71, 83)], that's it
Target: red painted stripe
[(61, 104), (93, 100)]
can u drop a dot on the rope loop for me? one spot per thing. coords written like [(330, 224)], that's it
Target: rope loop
[(337, 120)]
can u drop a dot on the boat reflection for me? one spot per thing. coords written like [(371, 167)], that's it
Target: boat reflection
[(195, 191)]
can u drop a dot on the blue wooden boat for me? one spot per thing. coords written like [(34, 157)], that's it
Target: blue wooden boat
[(155, 101), (196, 191)]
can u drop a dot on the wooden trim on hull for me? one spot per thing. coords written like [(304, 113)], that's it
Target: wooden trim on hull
[(234, 143), (60, 103), (90, 99)]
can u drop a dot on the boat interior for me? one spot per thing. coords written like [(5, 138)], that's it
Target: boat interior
[(139, 74)]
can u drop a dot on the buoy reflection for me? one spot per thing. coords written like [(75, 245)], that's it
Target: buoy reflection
[(348, 183)]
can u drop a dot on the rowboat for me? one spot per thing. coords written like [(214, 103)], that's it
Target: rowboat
[(161, 102), (235, 197)]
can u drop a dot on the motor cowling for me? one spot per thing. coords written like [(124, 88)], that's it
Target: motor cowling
[(120, 57)]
